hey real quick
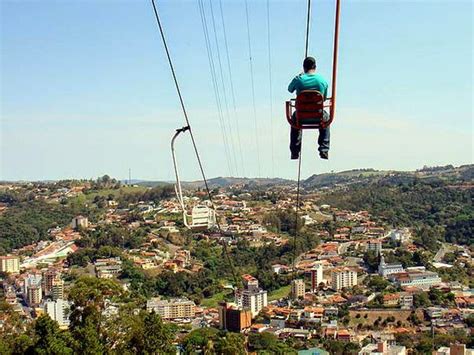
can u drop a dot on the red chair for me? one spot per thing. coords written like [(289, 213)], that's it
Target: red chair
[(308, 109)]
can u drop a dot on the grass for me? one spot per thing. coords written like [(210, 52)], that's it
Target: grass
[(214, 300), (279, 293), (84, 198)]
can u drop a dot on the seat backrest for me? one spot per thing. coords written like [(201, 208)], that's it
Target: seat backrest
[(309, 107)]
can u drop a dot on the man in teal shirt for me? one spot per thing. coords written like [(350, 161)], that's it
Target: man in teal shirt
[(309, 80)]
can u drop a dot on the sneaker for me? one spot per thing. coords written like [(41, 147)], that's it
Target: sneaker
[(295, 156), (324, 155)]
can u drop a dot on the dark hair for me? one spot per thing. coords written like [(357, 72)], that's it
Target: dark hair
[(309, 63)]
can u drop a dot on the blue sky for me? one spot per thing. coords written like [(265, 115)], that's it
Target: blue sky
[(86, 89)]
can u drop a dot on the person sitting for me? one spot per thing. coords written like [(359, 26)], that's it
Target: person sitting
[(309, 80)]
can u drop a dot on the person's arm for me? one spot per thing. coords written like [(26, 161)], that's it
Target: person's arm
[(325, 93), (292, 86)]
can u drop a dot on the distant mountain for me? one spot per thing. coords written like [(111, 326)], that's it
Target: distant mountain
[(448, 172), (331, 179), (229, 181), (464, 172)]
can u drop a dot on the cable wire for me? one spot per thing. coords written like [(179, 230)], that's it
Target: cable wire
[(298, 185), (236, 120), (215, 84), (270, 85), (253, 87), (158, 21), (231, 135)]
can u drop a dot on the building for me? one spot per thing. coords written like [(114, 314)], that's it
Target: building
[(50, 277), (57, 290), (10, 264), (34, 295), (400, 235), (31, 280), (434, 312), (388, 269), (172, 309), (391, 299), (420, 279), (280, 269), (108, 268), (79, 222), (58, 310), (316, 276), (454, 349), (382, 348), (297, 289), (233, 318), (343, 278), (406, 300), (251, 297), (375, 246)]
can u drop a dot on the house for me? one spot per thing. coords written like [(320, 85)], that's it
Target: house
[(343, 335), (391, 299)]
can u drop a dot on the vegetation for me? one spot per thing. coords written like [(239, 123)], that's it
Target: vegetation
[(27, 222), (90, 332), (414, 202)]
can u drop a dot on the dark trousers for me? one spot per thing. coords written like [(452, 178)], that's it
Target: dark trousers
[(296, 134)]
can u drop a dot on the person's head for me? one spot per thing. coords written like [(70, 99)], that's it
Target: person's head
[(309, 63)]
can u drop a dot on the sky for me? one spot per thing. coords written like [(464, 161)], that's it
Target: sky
[(86, 89)]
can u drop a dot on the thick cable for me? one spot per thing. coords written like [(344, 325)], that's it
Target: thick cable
[(308, 21), (170, 62)]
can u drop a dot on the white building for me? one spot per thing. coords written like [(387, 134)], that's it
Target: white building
[(10, 264), (400, 235), (388, 269), (252, 297), (343, 278), (58, 310), (79, 222), (421, 279)]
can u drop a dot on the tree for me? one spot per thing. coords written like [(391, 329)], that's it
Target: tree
[(49, 339), (267, 343), (231, 344), (377, 283), (158, 337), (421, 300), (89, 295), (371, 259)]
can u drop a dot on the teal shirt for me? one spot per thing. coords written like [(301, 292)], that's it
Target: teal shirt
[(309, 82)]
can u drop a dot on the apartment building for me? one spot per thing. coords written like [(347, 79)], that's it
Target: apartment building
[(251, 297), (172, 309), (343, 278), (10, 264), (297, 288)]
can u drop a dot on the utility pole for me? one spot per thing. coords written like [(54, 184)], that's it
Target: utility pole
[(129, 176)]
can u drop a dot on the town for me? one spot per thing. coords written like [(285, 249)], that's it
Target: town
[(330, 280)]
